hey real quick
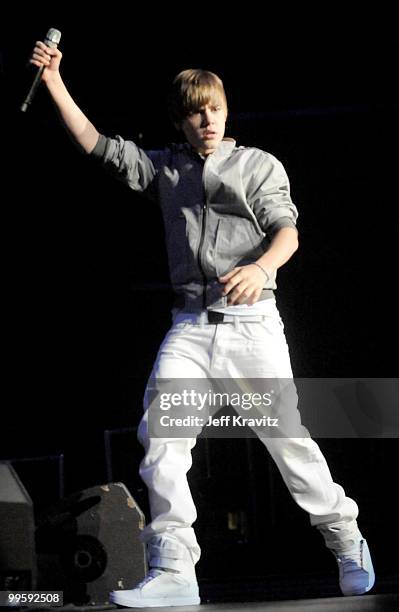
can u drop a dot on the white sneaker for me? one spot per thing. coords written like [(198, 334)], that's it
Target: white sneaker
[(160, 588), (356, 572)]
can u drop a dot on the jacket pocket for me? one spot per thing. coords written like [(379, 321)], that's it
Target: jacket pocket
[(238, 242), (177, 247)]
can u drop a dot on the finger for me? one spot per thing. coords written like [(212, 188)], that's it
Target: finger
[(245, 296), (242, 299), (42, 49), (43, 59), (238, 299), (254, 297), (233, 282), (226, 277), (42, 46), (36, 63), (240, 294)]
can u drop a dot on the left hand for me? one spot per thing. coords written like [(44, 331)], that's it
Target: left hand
[(244, 284)]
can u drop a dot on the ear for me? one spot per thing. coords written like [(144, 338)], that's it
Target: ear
[(177, 126)]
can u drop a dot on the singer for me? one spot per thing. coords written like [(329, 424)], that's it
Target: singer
[(230, 224)]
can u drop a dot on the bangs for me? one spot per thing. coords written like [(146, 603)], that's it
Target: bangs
[(199, 95), (192, 90)]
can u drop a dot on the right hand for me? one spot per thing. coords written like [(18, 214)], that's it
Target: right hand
[(48, 57)]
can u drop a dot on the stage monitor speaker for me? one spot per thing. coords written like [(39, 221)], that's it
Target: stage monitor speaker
[(17, 542), (88, 545)]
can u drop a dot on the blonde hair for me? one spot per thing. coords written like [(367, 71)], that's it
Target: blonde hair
[(191, 90)]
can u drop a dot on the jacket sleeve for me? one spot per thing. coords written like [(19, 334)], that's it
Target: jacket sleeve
[(128, 163), (268, 195)]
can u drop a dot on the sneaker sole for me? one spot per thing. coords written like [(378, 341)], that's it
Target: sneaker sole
[(156, 602)]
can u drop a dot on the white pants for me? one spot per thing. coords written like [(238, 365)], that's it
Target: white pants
[(237, 350)]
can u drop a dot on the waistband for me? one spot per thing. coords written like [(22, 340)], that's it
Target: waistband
[(195, 305), (213, 317)]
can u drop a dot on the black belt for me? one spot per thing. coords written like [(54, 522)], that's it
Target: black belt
[(180, 301), (215, 317)]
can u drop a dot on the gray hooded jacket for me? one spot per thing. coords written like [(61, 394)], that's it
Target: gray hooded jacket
[(219, 212)]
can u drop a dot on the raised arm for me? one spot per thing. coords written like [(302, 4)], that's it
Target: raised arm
[(80, 129)]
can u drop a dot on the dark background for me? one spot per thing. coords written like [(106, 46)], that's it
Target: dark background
[(85, 281)]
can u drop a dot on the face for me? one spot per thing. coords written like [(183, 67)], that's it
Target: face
[(205, 129)]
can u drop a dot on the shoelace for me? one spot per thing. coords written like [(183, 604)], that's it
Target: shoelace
[(351, 557)]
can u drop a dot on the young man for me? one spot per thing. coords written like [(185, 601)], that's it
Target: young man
[(230, 224)]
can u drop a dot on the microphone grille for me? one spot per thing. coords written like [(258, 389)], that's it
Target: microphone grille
[(53, 37)]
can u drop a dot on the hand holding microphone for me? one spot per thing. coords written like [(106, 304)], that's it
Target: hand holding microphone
[(47, 57)]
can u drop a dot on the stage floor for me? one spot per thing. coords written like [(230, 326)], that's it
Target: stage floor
[(366, 603)]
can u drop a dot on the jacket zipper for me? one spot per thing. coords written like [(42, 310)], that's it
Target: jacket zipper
[(203, 224), (204, 211)]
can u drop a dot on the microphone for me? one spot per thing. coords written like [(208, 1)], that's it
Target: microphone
[(52, 39)]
